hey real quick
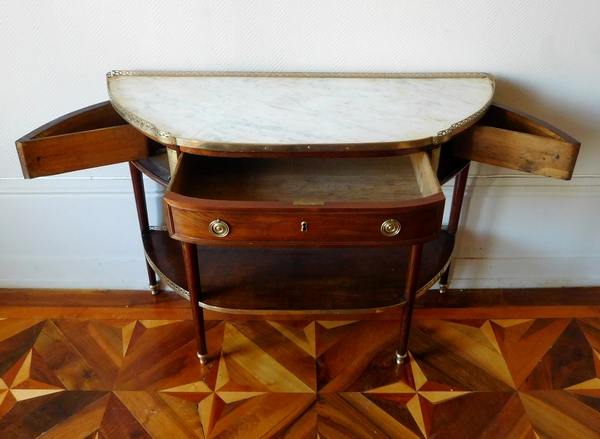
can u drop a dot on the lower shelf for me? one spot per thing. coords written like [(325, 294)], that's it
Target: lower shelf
[(298, 280)]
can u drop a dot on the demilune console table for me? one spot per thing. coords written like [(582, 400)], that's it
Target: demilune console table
[(299, 193)]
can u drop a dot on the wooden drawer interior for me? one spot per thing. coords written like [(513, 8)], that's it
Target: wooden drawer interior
[(306, 181), (512, 139)]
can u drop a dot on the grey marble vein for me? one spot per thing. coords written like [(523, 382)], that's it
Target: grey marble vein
[(294, 111)]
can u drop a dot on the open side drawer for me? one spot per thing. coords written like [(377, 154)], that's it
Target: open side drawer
[(87, 138), (304, 201), (511, 139)]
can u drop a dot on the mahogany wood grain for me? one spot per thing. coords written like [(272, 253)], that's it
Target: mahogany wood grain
[(313, 280), (313, 153), (90, 137), (140, 198), (326, 227), (449, 165), (264, 370), (410, 292), (81, 150), (458, 195), (344, 202), (154, 168), (539, 303), (495, 299), (93, 117), (460, 184), (474, 377), (166, 255), (142, 211), (309, 181), (156, 165), (190, 258)]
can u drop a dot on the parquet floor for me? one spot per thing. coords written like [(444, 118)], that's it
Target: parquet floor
[(123, 365)]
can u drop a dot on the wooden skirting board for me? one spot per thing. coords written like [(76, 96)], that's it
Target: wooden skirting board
[(491, 304)]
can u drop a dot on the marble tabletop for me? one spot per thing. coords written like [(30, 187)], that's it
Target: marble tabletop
[(245, 112)]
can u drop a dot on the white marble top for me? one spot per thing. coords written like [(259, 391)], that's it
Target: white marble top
[(301, 112)]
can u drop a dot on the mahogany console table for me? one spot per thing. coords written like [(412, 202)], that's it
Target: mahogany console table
[(299, 193)]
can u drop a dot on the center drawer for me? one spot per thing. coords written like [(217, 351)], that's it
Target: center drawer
[(367, 201)]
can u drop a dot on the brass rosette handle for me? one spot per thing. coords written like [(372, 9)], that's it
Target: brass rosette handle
[(219, 228), (391, 227)]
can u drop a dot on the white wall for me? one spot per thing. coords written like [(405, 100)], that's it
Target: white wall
[(80, 229)]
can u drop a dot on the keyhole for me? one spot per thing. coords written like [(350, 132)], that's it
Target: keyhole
[(303, 226)]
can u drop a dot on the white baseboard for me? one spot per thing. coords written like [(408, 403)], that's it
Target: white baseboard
[(73, 233), (525, 272), (74, 273)]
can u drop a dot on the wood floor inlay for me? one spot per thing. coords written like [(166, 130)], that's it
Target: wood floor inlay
[(505, 378)]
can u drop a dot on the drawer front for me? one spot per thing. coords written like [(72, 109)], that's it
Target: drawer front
[(307, 228)]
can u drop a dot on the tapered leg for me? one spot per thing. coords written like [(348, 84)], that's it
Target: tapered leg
[(444, 280), (142, 211), (190, 257), (410, 292), (460, 183)]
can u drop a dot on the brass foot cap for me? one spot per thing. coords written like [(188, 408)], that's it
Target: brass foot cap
[(443, 288), (203, 358), (154, 289), (400, 358)]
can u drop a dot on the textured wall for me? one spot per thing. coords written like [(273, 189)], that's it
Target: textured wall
[(520, 230)]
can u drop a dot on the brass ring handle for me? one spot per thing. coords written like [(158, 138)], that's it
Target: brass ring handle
[(219, 228), (391, 227)]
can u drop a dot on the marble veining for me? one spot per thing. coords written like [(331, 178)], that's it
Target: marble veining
[(246, 112)]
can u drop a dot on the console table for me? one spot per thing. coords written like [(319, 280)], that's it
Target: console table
[(299, 193)]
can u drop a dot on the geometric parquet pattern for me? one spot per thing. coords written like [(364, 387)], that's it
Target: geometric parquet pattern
[(130, 378)]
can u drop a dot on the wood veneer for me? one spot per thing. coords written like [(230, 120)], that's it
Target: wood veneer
[(91, 137), (343, 206), (514, 140), (311, 181), (314, 280), (484, 370), (343, 201)]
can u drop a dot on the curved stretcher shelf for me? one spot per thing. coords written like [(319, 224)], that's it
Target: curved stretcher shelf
[(298, 280)]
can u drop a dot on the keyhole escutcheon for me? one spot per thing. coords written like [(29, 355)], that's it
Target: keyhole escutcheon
[(304, 226)]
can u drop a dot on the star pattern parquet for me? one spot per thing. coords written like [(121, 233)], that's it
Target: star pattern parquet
[(135, 378)]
